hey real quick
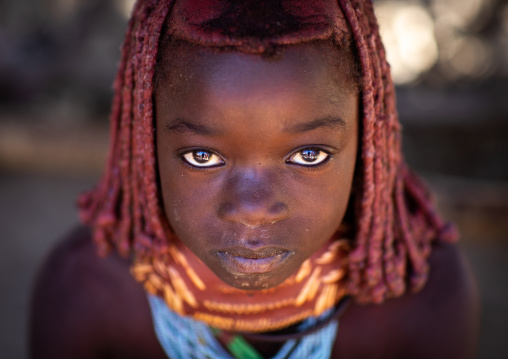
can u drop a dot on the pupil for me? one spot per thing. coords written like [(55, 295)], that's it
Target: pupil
[(309, 155), (201, 156)]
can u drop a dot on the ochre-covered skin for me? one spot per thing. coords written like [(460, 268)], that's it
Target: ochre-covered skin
[(86, 307), (255, 211), (394, 222)]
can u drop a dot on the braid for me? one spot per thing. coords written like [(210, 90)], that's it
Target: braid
[(123, 209), (358, 256), (153, 207), (395, 221), (136, 155)]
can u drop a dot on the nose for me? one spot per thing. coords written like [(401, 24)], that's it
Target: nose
[(252, 199)]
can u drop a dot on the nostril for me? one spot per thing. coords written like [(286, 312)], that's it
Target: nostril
[(279, 211)]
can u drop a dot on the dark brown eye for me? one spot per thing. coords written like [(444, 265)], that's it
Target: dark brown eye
[(308, 157), (202, 158)]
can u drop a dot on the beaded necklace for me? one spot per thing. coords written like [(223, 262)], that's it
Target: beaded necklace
[(185, 338)]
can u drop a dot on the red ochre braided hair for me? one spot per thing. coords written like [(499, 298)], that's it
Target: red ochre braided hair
[(394, 221)]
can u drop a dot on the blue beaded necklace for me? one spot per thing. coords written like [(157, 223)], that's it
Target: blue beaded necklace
[(185, 338)]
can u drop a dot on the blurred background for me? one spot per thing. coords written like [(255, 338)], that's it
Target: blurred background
[(57, 62)]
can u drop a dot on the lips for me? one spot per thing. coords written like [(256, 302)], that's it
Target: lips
[(241, 260)]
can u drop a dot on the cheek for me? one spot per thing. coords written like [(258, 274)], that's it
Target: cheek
[(328, 192), (320, 207), (182, 199), (334, 199), (188, 203), (334, 194)]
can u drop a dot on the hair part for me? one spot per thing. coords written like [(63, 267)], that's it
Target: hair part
[(395, 221)]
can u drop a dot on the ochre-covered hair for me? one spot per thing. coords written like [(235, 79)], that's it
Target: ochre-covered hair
[(395, 222)]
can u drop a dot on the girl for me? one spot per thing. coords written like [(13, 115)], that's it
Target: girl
[(255, 187)]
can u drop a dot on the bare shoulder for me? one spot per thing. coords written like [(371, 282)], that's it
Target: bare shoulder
[(84, 306), (441, 321)]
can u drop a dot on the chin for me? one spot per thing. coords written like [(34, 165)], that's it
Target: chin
[(253, 281)]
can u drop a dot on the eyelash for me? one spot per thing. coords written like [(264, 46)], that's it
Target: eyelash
[(190, 159)]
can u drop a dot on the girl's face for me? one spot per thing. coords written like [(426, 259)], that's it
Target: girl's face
[(256, 156)]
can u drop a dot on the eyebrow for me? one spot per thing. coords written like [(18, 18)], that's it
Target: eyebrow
[(329, 121), (180, 125)]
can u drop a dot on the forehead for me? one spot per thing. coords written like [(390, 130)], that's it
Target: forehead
[(300, 67), (229, 91)]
